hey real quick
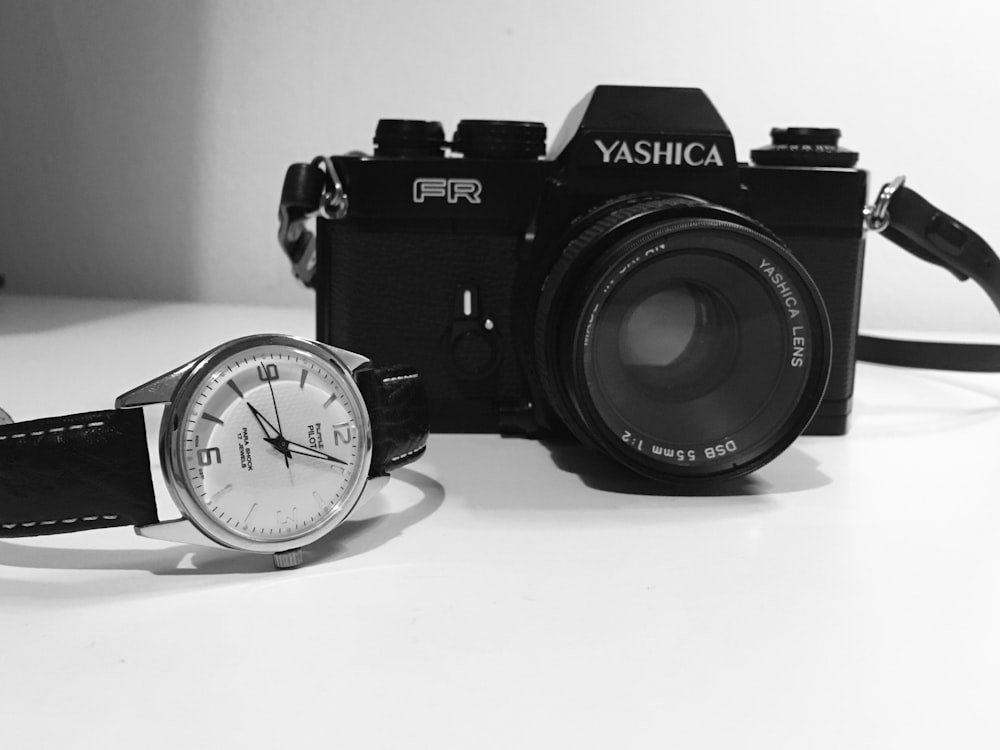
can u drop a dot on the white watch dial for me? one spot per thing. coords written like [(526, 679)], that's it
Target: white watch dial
[(271, 446)]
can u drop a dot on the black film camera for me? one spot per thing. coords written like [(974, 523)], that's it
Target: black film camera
[(638, 287)]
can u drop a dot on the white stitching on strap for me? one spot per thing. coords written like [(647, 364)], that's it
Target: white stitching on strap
[(401, 377), (401, 456), (51, 430), (29, 524)]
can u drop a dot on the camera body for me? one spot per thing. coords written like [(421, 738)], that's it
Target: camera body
[(444, 261)]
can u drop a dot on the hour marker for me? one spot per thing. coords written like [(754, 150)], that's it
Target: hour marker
[(342, 433), (330, 400), (209, 456), (235, 387), (302, 380), (210, 418), (319, 500), (220, 493), (246, 521)]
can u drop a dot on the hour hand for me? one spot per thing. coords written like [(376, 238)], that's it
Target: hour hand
[(265, 425), (276, 441)]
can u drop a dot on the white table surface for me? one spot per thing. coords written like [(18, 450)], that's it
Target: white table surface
[(502, 594)]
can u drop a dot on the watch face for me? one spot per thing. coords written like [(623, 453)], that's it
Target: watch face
[(268, 443)]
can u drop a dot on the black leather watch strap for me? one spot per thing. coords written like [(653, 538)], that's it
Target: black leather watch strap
[(397, 406), (82, 471)]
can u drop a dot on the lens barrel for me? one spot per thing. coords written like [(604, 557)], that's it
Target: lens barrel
[(682, 338)]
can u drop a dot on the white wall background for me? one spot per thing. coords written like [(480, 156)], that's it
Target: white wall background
[(143, 145)]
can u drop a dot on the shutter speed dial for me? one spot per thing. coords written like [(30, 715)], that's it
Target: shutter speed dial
[(804, 147)]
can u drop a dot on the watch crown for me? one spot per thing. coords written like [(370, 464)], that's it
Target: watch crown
[(290, 558)]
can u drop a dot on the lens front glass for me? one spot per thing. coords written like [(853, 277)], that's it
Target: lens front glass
[(675, 339), (700, 349)]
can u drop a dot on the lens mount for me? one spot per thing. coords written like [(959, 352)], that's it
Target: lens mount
[(681, 338)]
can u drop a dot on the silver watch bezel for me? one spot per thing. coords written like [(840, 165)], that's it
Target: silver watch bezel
[(344, 364)]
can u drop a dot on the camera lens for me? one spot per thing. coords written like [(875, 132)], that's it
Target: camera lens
[(682, 338)]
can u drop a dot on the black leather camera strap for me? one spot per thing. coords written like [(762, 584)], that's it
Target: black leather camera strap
[(306, 188), (911, 222)]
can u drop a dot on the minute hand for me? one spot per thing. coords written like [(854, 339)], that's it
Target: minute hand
[(312, 452)]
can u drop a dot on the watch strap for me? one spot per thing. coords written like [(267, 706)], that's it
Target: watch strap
[(397, 408), (76, 472)]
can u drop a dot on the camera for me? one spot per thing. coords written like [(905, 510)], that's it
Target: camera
[(634, 287)]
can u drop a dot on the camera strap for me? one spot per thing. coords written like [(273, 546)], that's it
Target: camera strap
[(309, 190), (910, 221)]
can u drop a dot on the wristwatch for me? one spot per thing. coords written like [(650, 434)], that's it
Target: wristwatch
[(267, 443)]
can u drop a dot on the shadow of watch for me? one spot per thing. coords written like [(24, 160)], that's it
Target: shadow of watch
[(267, 444)]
